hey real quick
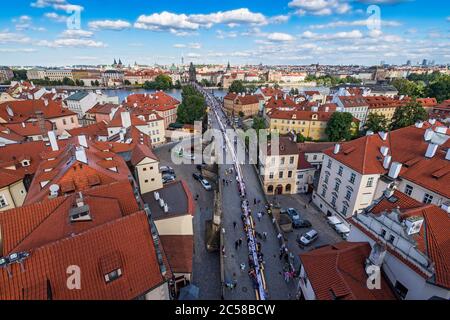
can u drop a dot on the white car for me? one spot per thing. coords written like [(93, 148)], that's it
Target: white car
[(206, 184)]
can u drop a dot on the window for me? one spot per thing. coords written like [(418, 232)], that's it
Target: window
[(329, 164), (391, 239), (348, 196), (280, 175), (144, 169), (324, 192), (427, 199), (315, 157), (333, 201), (344, 210), (114, 275), (401, 289), (408, 189), (341, 169), (370, 183), (326, 178), (3, 202), (64, 121), (352, 178), (72, 120), (383, 233), (337, 186), (290, 174), (282, 160), (300, 176), (271, 175), (291, 160)]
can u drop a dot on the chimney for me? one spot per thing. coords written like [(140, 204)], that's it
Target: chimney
[(428, 135), (82, 141), (384, 151), (54, 191), (135, 104), (46, 102), (432, 121), (337, 148), (387, 162), (447, 155), (53, 141), (126, 119), (389, 192), (377, 255), (419, 124), (369, 133), (80, 200), (441, 129), (80, 155), (394, 172), (383, 135), (23, 125), (431, 150), (126, 99)]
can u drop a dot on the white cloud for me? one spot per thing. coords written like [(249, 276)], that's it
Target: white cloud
[(355, 23), (355, 34), (115, 25), (237, 16), (76, 33), (165, 21), (55, 17), (192, 45), (60, 43), (57, 5), (278, 36), (17, 50), (9, 37), (320, 7)]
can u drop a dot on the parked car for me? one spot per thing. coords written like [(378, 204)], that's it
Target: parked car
[(294, 215), (167, 178), (167, 170), (342, 230), (205, 183), (197, 176), (308, 238), (303, 223)]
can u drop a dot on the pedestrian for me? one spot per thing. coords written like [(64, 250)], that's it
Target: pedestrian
[(242, 266), (254, 202), (265, 236), (240, 242), (259, 214), (236, 244), (234, 225), (223, 180)]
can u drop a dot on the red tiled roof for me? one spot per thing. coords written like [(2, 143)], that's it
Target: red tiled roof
[(363, 155), (27, 109), (27, 129), (70, 169), (140, 152), (303, 164), (117, 120), (314, 147), (338, 272), (105, 108), (8, 177), (353, 101), (433, 240), (124, 244), (244, 100), (179, 250), (427, 102), (92, 131)]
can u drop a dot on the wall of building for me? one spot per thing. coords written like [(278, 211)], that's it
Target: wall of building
[(274, 165), (159, 293), (179, 225), (148, 174), (71, 122), (14, 195)]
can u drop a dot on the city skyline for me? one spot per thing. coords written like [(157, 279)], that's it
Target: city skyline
[(296, 32)]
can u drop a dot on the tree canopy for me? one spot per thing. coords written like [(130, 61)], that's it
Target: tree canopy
[(339, 127), (376, 122), (162, 82), (237, 86), (193, 107), (408, 115)]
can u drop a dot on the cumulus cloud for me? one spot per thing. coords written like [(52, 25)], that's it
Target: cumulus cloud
[(55, 17), (355, 23), (192, 45), (76, 33), (320, 7), (61, 43), (57, 5), (116, 25), (168, 21), (354, 34), (10, 37), (17, 50), (278, 36)]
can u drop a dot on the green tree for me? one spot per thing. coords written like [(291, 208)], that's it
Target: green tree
[(339, 127), (237, 86), (20, 74), (193, 107), (127, 82), (68, 82), (409, 88), (259, 123), (376, 122), (241, 114), (408, 115), (440, 88)]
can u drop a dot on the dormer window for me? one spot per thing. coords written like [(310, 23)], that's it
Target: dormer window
[(25, 163)]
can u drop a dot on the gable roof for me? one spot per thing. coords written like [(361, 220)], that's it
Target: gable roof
[(338, 272)]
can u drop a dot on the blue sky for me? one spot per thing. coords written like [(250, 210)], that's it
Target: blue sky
[(35, 32)]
